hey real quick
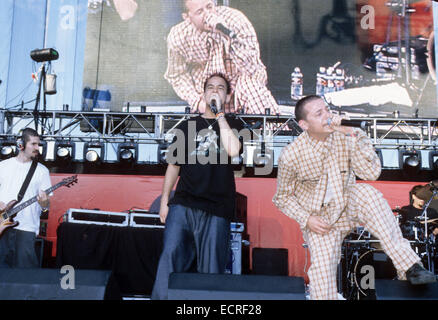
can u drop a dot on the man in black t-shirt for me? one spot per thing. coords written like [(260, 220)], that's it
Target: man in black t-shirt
[(409, 216), (198, 216)]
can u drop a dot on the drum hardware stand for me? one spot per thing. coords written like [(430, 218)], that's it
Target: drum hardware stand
[(403, 11), (401, 7), (430, 262)]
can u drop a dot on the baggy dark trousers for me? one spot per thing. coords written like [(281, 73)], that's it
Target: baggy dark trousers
[(191, 234)]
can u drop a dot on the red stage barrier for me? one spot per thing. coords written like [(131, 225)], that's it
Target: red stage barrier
[(267, 226)]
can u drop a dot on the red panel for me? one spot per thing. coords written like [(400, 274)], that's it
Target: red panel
[(267, 226)]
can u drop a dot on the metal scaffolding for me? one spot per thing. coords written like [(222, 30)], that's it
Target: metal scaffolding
[(274, 131)]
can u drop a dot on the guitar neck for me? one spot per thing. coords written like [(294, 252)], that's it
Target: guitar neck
[(14, 210)]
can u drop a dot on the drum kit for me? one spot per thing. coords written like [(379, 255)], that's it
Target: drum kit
[(361, 249)]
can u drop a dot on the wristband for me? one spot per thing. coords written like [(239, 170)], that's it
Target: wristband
[(220, 115)]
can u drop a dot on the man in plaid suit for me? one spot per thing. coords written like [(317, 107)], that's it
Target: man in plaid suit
[(197, 48), (317, 187)]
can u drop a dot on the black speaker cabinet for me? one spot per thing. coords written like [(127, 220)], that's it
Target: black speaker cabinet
[(197, 286), (404, 290), (270, 261), (50, 284)]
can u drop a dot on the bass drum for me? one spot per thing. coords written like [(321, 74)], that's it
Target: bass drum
[(372, 264)]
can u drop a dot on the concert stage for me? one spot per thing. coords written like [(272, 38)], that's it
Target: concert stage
[(266, 226)]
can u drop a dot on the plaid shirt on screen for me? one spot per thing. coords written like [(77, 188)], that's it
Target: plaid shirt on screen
[(194, 55)]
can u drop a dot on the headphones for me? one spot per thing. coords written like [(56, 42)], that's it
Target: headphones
[(20, 143)]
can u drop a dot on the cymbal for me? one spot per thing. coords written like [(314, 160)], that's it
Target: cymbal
[(426, 192), (421, 220)]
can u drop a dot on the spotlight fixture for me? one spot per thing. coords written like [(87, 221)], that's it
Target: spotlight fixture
[(261, 158), (42, 150), (94, 152), (410, 161), (64, 151), (127, 153), (162, 152), (379, 154), (8, 149), (433, 160), (41, 55)]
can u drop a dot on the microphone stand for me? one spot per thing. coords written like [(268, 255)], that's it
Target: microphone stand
[(430, 262), (38, 97)]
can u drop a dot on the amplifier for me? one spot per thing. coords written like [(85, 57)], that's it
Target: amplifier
[(239, 254), (145, 220), (107, 218)]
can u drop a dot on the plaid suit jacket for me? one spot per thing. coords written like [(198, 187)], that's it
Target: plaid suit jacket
[(306, 165)]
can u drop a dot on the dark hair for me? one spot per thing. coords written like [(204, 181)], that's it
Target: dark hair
[(221, 75), (300, 112), (184, 5), (414, 191), (26, 134)]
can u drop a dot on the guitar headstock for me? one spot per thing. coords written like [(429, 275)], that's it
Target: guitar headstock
[(68, 182)]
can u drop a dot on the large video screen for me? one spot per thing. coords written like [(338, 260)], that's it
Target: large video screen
[(371, 58)]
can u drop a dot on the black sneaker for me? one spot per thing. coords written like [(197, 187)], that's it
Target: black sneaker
[(418, 275)]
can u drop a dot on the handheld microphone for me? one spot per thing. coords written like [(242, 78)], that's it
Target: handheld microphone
[(213, 106), (225, 30), (352, 123)]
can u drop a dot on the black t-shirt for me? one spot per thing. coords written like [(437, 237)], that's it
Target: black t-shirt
[(206, 174), (408, 213)]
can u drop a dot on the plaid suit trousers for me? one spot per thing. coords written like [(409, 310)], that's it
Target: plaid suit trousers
[(304, 169)]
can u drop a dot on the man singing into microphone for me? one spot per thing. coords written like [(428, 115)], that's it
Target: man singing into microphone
[(217, 39), (197, 218), (317, 188)]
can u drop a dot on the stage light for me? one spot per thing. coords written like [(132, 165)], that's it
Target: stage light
[(410, 161), (162, 152), (261, 158), (433, 160), (8, 149), (94, 152), (64, 151), (42, 55), (379, 154), (7, 152), (127, 153), (42, 150)]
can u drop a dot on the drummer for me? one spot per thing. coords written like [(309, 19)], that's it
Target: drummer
[(410, 213)]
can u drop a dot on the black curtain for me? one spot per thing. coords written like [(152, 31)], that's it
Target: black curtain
[(131, 253)]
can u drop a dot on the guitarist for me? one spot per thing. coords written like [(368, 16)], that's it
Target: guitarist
[(17, 244)]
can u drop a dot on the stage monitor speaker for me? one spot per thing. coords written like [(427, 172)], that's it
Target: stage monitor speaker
[(46, 284), (201, 286), (270, 261), (404, 290)]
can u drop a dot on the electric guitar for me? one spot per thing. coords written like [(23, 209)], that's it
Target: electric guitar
[(10, 211)]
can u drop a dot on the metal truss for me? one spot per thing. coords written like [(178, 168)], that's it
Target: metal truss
[(149, 128)]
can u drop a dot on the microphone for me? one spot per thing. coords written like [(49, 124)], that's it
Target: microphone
[(225, 30), (215, 103), (213, 106), (352, 123)]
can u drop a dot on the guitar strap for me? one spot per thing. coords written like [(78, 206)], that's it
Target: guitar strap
[(27, 180)]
